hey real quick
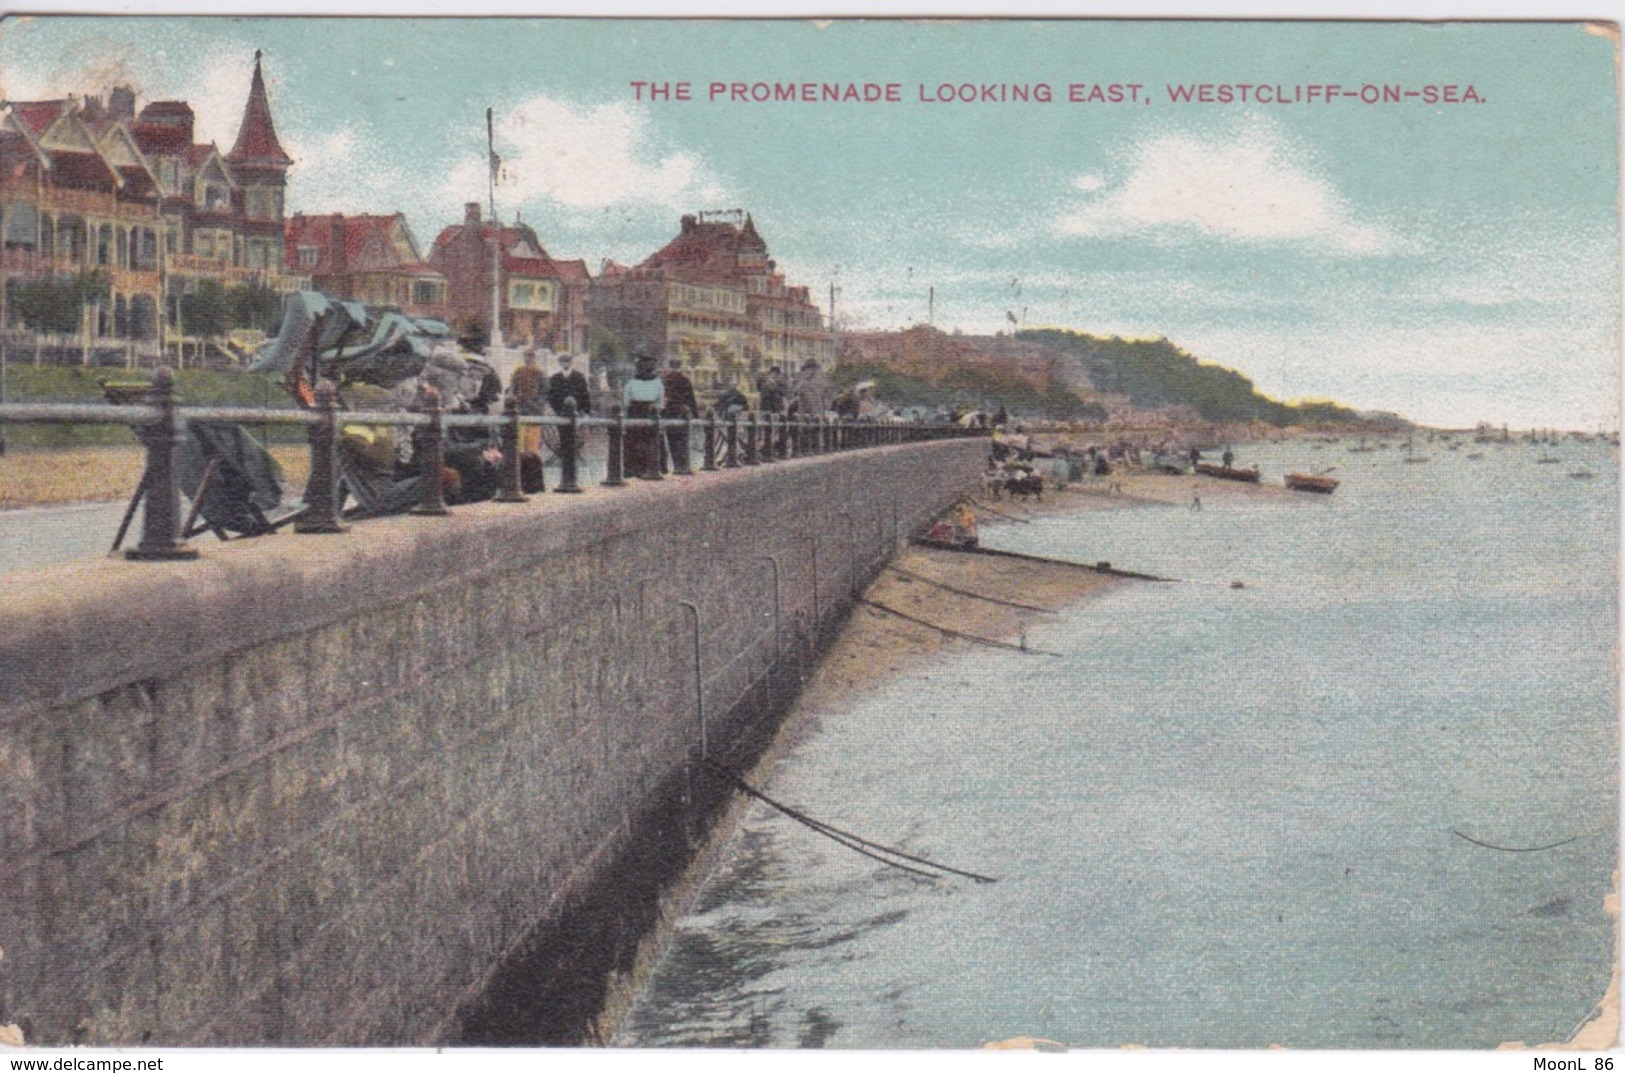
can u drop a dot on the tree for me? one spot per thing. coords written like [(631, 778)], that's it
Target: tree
[(56, 305), (206, 310), (254, 306)]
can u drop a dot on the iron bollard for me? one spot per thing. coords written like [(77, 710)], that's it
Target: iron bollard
[(659, 434), (680, 439), (767, 437), (432, 459), (710, 442), (321, 514), (614, 476), (511, 491), (160, 524), (730, 459), (569, 449), (750, 440)]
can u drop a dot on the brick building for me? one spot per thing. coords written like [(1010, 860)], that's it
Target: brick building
[(366, 258), (713, 298), (542, 301), (94, 186)]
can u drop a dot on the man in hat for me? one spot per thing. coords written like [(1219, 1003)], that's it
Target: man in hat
[(680, 403), (568, 383)]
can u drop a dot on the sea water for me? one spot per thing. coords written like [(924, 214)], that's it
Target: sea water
[(1224, 817)]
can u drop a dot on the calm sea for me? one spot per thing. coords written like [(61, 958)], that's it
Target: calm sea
[(1226, 817)]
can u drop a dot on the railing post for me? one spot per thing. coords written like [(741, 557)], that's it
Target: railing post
[(750, 441), (768, 429), (321, 513), (730, 459), (569, 449), (659, 435), (710, 442), (511, 491), (680, 444), (160, 524), (614, 474), (432, 459)]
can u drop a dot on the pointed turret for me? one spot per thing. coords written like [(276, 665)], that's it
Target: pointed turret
[(257, 144)]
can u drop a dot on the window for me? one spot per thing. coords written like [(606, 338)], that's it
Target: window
[(22, 223), (530, 294), (308, 256), (263, 203), (424, 294)]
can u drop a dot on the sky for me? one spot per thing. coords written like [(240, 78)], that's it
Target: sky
[(1452, 255)]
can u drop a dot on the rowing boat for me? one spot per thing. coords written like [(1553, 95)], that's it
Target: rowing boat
[(1312, 482)]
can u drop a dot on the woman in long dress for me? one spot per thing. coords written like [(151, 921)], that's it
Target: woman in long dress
[(643, 397)]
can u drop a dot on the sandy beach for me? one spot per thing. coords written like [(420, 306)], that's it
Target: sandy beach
[(876, 643)]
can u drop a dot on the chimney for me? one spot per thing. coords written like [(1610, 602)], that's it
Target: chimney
[(471, 212), (121, 103), (688, 224), (335, 248)]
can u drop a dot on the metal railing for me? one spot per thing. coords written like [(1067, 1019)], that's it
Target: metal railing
[(741, 439)]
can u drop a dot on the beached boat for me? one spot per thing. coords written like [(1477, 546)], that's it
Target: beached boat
[(1229, 473), (1312, 482)]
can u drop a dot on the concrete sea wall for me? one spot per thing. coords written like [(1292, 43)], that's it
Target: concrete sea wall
[(359, 789)]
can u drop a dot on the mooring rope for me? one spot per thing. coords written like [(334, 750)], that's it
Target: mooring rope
[(857, 843), (1517, 849), (979, 505), (972, 595), (955, 633)]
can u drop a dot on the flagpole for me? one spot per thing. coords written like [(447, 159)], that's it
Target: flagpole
[(496, 244)]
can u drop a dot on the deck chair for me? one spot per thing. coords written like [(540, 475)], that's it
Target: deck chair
[(236, 483), (231, 481), (366, 475)]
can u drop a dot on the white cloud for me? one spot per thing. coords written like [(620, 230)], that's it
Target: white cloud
[(1246, 187), (587, 157)]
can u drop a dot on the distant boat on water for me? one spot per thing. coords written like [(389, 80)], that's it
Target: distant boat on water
[(1229, 473), (1312, 482), (1361, 448)]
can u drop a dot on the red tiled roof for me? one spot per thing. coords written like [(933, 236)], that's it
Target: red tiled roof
[(167, 108), (15, 153), (138, 182), (256, 138), (197, 154), (364, 243), (80, 169), (544, 267), (573, 270), (710, 252), (161, 137), (529, 266), (37, 115)]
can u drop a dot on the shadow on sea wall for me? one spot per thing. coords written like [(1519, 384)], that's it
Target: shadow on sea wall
[(394, 786)]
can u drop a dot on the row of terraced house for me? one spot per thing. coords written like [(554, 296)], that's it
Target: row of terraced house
[(94, 189)]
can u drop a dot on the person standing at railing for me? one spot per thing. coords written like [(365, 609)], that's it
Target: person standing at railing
[(526, 386), (643, 397), (680, 403), (568, 383)]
